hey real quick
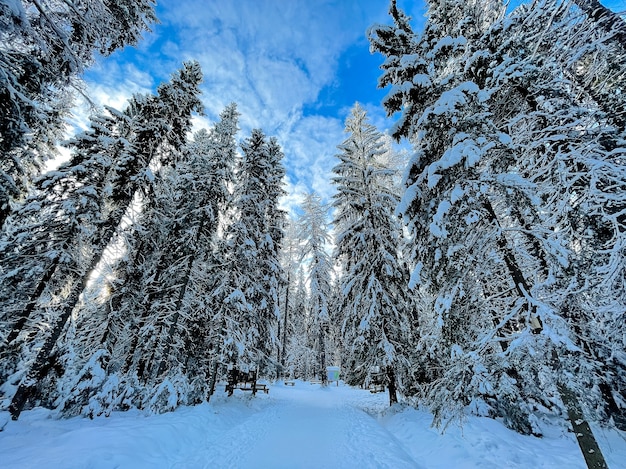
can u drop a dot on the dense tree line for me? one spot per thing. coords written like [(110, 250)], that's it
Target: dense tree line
[(113, 265), (484, 274)]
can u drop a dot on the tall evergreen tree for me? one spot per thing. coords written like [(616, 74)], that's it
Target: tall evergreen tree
[(246, 288), (487, 109), (301, 355), (52, 232), (159, 127), (46, 47), (177, 232), (375, 301), (316, 241), (290, 262)]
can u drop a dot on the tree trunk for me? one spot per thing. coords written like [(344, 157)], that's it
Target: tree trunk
[(37, 371), (283, 355), (172, 328), (143, 314), (213, 378), (517, 276), (23, 316), (324, 378), (586, 440), (391, 386)]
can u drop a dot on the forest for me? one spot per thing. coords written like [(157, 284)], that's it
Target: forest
[(484, 273)]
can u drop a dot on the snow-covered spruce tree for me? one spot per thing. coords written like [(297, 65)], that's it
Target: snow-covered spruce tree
[(290, 262), (157, 348), (460, 258), (375, 302), (214, 156), (53, 230), (272, 244), (46, 45), (300, 354), (578, 184), (558, 202), (316, 239), (158, 131), (527, 110), (245, 291), (175, 231)]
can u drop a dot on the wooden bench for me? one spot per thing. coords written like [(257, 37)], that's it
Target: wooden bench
[(245, 381), (377, 384)]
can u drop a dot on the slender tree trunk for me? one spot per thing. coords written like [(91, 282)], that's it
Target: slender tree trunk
[(611, 406), (27, 387), (144, 313), (283, 355), (22, 317), (170, 333), (586, 440), (391, 386), (517, 276), (213, 378), (324, 378)]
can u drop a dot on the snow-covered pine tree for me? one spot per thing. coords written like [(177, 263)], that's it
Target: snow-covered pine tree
[(52, 233), (300, 354), (158, 125), (316, 240), (212, 170), (523, 109), (374, 299), (289, 259), (583, 263), (170, 334), (245, 289), (459, 256), (272, 244), (46, 45)]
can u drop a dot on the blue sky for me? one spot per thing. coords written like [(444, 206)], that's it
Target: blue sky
[(294, 67)]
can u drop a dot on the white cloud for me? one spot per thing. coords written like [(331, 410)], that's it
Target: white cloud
[(271, 57), (310, 146)]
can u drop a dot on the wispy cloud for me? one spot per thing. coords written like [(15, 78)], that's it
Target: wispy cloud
[(273, 58)]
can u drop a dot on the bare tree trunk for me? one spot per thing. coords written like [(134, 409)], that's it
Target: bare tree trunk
[(391, 386)]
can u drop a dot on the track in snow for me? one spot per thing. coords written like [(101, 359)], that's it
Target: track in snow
[(292, 431), (305, 426)]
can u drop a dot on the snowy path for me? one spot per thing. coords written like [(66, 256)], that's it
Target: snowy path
[(298, 427), (303, 433)]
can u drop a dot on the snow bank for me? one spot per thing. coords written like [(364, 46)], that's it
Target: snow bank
[(301, 426)]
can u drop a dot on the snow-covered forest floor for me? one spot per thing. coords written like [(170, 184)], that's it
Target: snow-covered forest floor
[(304, 426)]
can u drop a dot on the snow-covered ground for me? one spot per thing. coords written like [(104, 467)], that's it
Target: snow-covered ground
[(304, 426)]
